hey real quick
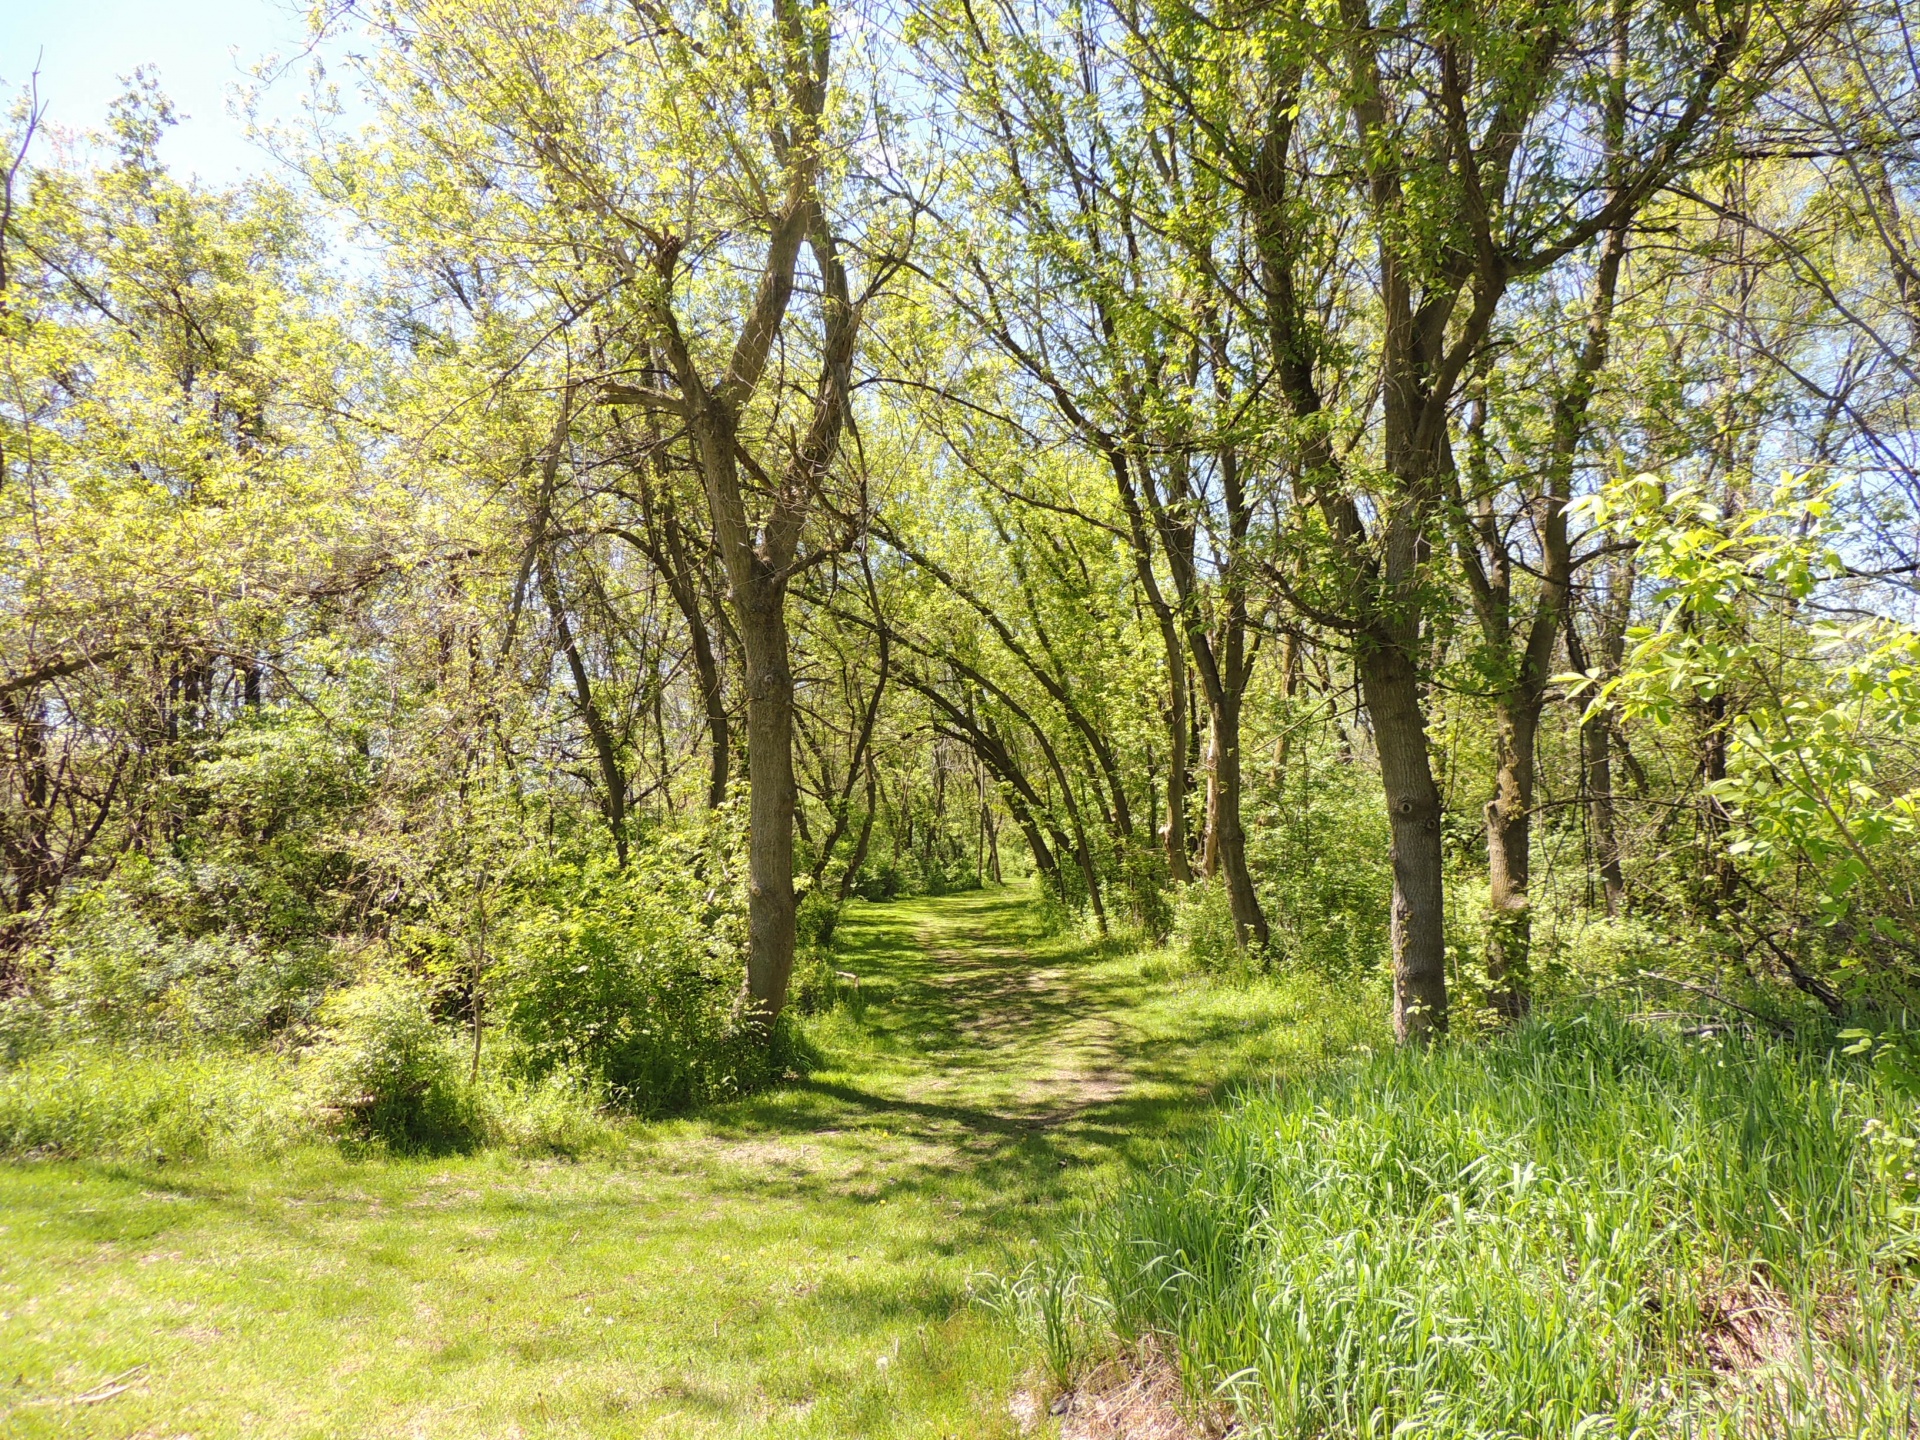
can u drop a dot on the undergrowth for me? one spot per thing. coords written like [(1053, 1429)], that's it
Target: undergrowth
[(1589, 1225), (200, 1103)]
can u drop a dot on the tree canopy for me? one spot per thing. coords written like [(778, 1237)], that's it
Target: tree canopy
[(1425, 494)]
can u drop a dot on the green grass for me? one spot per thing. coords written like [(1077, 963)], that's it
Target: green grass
[(1590, 1226), (795, 1264)]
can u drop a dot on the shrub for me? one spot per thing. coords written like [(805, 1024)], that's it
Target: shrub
[(109, 973), (879, 881), (386, 1074), (558, 1114), (1143, 872), (634, 981), (1203, 932), (815, 920), (1052, 914), (1319, 852), (96, 1100)]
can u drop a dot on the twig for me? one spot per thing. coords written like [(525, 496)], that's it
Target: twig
[(105, 1390)]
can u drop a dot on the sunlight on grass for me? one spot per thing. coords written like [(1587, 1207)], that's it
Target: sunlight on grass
[(797, 1263), (1590, 1225)]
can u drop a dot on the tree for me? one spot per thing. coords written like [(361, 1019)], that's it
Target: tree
[(648, 179), (1379, 185)]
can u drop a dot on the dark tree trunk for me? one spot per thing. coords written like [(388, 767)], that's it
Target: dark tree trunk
[(1711, 727), (1173, 835), (851, 875), (1596, 748), (613, 776), (1210, 825), (719, 730), (1390, 685), (1229, 838), (1489, 565), (761, 615), (1516, 721), (1596, 739)]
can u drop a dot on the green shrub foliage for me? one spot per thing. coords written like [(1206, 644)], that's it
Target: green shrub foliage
[(386, 1073), (634, 980), (111, 971)]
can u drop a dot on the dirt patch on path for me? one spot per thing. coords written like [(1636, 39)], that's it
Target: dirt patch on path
[(1131, 1397)]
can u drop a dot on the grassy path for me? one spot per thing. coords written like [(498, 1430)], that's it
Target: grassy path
[(795, 1264)]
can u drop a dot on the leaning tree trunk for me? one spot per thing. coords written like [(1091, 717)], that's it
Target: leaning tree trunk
[(1418, 929)]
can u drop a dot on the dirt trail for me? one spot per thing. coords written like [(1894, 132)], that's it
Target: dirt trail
[(1059, 1055)]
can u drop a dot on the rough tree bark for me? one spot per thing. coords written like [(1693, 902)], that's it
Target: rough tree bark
[(1596, 736)]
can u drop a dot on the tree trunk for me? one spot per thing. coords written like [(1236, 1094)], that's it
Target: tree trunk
[(1418, 929), (851, 875), (1596, 739), (993, 847), (719, 734), (613, 777), (1509, 851), (1596, 749), (1711, 726), (1228, 836), (760, 609), (1174, 835), (1210, 830)]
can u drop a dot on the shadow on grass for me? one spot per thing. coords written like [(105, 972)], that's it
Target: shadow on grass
[(992, 1072), (1006, 1058)]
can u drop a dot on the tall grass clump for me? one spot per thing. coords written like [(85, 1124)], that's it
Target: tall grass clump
[(97, 1100), (1588, 1225)]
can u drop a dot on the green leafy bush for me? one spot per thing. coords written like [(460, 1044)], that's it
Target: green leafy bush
[(1143, 870), (879, 880), (384, 1072), (815, 920), (558, 1114), (108, 972), (1319, 853), (94, 1100), (634, 981), (1203, 932)]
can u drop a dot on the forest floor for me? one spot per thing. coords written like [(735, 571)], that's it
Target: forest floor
[(801, 1263)]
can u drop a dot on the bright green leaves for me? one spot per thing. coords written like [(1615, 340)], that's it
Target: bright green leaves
[(1811, 712)]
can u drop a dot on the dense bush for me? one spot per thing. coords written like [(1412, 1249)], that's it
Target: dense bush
[(83, 1100), (91, 1100), (109, 972), (1203, 930), (1562, 1231), (815, 920), (1318, 845), (634, 980), (385, 1072), (879, 880)]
